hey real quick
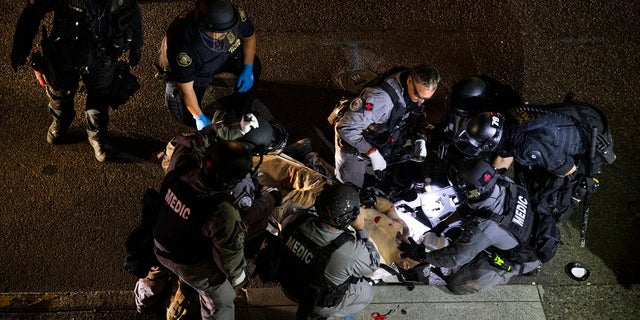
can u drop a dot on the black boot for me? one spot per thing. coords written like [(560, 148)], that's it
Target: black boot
[(100, 148), (60, 125)]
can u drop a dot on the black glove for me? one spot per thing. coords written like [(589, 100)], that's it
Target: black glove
[(582, 188), (368, 197), (412, 250), (134, 56)]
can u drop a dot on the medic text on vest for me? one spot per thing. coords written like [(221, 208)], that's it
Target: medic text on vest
[(521, 211), (299, 250), (177, 206)]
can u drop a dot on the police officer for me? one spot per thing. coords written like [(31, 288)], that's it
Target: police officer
[(84, 42), (199, 235), (551, 144), (374, 126), (212, 38), (494, 244), (472, 95), (322, 264)]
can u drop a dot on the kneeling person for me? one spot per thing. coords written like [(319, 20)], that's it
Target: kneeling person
[(323, 264), (498, 225)]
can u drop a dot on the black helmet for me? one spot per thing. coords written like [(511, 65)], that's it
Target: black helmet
[(473, 179), (338, 205), (480, 133), (266, 137), (216, 15), (468, 96), (225, 163), (259, 138)]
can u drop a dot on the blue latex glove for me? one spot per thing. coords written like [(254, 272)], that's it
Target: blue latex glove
[(201, 121), (245, 80)]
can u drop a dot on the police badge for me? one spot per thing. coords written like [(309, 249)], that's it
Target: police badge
[(355, 105), (183, 59)]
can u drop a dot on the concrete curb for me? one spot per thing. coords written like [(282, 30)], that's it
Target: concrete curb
[(512, 301)]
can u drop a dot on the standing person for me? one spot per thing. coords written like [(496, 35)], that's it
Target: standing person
[(374, 126), (212, 38), (323, 266), (85, 41), (495, 243), (198, 234)]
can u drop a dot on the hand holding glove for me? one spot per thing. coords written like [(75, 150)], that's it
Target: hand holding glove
[(412, 250), (377, 160), (201, 121), (245, 80)]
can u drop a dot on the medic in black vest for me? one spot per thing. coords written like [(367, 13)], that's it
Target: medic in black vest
[(199, 234), (495, 243), (322, 264)]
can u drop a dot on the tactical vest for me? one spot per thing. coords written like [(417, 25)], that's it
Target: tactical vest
[(518, 218), (84, 32), (179, 224), (389, 136), (303, 265)]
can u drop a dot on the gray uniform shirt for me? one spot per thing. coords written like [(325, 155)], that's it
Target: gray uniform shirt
[(351, 125)]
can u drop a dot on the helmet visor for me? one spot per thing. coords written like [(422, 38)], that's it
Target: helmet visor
[(466, 144)]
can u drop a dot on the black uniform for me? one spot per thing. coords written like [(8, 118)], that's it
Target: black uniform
[(190, 59), (471, 96), (85, 40), (547, 141)]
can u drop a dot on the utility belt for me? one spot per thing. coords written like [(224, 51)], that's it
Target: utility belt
[(504, 263), (160, 250)]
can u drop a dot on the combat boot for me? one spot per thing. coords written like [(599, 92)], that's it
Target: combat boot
[(59, 126), (55, 132), (100, 148)]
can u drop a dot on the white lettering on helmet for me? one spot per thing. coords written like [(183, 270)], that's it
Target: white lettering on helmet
[(495, 121), (521, 211)]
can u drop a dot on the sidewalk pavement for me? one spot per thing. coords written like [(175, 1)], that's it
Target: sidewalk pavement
[(424, 302), (513, 301)]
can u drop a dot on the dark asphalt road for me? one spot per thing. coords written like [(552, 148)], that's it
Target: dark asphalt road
[(64, 216)]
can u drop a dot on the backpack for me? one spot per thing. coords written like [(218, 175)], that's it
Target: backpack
[(546, 238)]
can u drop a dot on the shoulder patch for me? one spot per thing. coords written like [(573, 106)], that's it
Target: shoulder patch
[(368, 106), (183, 59), (355, 105), (242, 14), (237, 240)]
